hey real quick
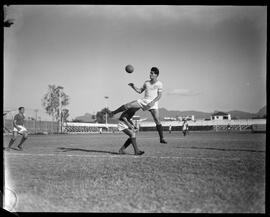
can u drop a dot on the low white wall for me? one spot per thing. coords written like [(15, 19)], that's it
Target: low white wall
[(206, 123), (179, 123)]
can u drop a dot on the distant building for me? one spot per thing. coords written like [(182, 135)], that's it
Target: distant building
[(169, 119), (188, 118), (220, 116)]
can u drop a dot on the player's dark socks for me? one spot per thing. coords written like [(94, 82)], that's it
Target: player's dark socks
[(126, 144), (120, 109), (11, 143), (20, 144), (160, 132)]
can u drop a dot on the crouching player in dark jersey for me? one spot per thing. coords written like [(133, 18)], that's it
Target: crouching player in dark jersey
[(18, 124), (126, 125)]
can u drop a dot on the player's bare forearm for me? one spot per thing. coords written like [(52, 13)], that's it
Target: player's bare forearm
[(138, 90)]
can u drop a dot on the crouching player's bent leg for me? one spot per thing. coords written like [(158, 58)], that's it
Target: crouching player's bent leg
[(126, 144), (130, 140)]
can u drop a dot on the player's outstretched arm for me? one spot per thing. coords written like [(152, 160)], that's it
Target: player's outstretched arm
[(138, 90)]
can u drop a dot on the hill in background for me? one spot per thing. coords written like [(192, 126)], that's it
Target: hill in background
[(262, 112), (235, 114)]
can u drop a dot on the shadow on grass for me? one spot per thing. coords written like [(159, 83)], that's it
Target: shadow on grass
[(63, 149), (222, 149)]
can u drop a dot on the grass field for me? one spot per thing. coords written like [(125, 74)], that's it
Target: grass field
[(200, 173)]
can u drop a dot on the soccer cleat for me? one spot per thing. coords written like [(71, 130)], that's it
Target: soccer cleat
[(163, 141), (139, 153)]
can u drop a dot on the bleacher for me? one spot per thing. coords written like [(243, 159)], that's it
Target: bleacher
[(71, 127)]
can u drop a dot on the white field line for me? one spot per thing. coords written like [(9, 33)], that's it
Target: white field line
[(120, 156)]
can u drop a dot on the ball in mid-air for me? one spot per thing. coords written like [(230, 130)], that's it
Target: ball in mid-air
[(129, 68)]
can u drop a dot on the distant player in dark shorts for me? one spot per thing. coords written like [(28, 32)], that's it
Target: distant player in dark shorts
[(126, 125), (18, 129)]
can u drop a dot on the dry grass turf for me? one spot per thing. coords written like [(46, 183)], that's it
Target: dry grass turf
[(203, 172)]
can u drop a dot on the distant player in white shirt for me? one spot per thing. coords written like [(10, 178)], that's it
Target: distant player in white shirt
[(185, 127), (152, 93), (18, 128)]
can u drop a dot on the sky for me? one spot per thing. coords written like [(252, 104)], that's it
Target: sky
[(210, 57)]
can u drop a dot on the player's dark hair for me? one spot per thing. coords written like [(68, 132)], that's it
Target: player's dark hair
[(155, 70), (20, 108)]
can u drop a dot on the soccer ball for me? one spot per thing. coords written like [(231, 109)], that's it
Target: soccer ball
[(129, 68)]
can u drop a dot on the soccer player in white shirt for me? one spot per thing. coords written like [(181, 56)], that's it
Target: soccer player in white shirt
[(153, 92)]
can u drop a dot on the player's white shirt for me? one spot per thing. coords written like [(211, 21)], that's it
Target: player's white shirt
[(150, 93), (151, 90)]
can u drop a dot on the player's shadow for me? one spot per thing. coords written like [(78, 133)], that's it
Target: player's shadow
[(222, 149), (64, 149)]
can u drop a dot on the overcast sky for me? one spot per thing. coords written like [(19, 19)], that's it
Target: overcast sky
[(210, 57)]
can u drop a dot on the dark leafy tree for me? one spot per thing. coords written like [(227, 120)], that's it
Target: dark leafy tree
[(101, 115)]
